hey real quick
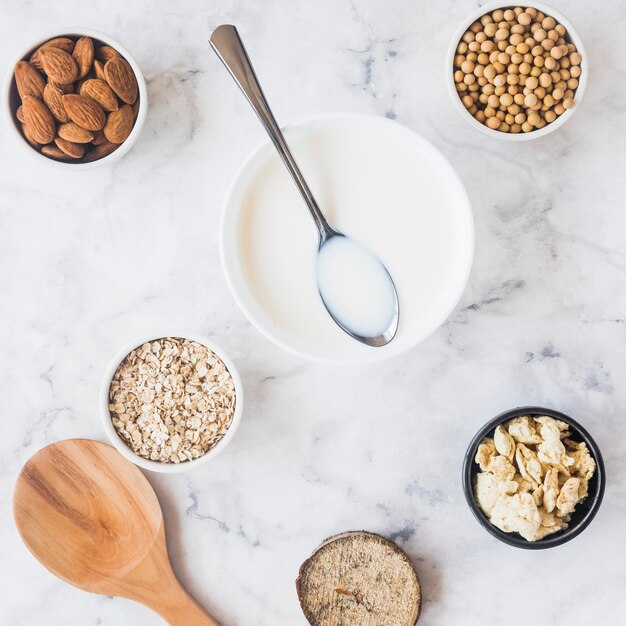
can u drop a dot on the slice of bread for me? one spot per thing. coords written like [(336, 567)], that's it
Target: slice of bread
[(359, 579)]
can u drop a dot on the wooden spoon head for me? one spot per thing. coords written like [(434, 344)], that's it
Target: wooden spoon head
[(86, 513)]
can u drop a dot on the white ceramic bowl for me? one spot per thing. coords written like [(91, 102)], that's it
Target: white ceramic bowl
[(409, 335), (548, 128), (10, 100), (156, 466)]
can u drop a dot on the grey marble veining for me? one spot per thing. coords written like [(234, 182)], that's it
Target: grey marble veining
[(90, 260)]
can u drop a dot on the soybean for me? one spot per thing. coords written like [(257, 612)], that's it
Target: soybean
[(516, 70)]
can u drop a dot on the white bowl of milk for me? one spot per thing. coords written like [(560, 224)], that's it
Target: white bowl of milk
[(379, 183)]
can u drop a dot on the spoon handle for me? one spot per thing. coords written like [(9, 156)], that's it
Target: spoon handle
[(228, 46), (178, 608)]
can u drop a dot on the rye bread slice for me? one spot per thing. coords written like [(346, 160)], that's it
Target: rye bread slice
[(359, 579)]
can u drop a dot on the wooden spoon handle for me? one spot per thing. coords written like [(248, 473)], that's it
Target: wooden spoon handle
[(178, 608)]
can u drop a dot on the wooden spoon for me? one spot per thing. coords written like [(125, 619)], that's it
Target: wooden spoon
[(93, 520)]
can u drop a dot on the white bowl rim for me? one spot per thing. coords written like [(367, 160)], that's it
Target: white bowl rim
[(548, 128), (141, 114), (157, 466), (375, 356)]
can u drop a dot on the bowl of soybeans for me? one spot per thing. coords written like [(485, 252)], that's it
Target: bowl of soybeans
[(516, 72)]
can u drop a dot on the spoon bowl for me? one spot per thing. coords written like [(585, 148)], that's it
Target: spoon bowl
[(92, 519), (357, 290)]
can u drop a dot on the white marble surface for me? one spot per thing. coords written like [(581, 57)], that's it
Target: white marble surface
[(87, 261)]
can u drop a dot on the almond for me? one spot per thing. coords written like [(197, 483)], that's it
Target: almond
[(67, 45), (100, 91), (54, 153), (84, 111), (119, 124), (98, 138), (98, 69), (105, 53), (52, 96), (28, 80), (74, 133), (121, 79), (83, 54), (74, 150), (79, 100), (135, 107), (78, 85), (64, 88), (100, 151), (58, 65), (29, 137), (39, 120)]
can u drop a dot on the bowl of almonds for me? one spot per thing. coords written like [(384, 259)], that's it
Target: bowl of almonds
[(171, 403), (77, 99), (516, 72)]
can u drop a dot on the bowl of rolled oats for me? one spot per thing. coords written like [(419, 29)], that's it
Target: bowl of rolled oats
[(533, 477), (171, 403)]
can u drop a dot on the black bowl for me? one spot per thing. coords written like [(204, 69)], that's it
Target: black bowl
[(585, 511)]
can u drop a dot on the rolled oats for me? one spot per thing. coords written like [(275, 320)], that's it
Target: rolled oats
[(172, 400), (532, 476)]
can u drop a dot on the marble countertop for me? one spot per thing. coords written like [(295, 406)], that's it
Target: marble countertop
[(90, 260)]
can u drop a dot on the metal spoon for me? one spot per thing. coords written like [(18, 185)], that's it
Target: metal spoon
[(228, 46)]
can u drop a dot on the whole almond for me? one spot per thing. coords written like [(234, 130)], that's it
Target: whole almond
[(54, 152), (29, 137), (52, 96), (100, 91), (99, 152), (28, 80), (119, 124), (74, 150), (60, 66), (39, 120), (19, 114), (135, 107), (83, 53), (98, 138), (78, 85), (84, 111), (67, 45), (104, 53), (98, 69), (121, 78), (65, 89), (74, 133)]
